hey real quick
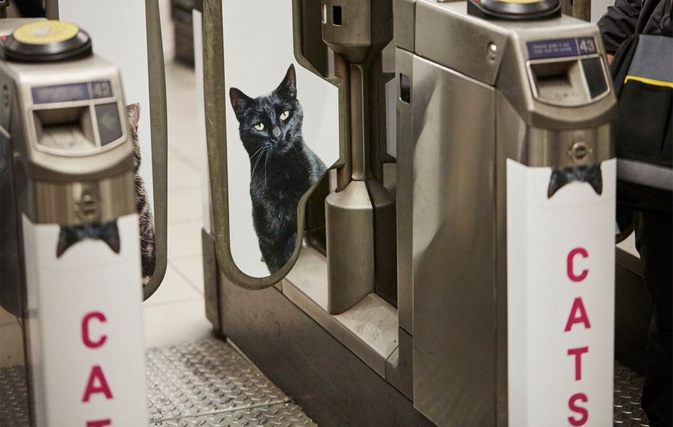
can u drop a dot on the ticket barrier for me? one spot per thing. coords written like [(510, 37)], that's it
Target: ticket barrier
[(70, 250), (505, 194)]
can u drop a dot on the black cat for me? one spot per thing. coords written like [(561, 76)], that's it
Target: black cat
[(282, 167), (589, 174)]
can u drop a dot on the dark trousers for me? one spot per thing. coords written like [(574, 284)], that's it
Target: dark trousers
[(654, 238)]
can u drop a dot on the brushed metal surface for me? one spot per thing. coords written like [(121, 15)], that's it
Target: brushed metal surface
[(59, 202), (49, 165), (368, 329), (333, 385), (453, 248), (349, 216), (449, 36), (445, 34), (510, 132), (159, 123), (404, 64), (404, 15)]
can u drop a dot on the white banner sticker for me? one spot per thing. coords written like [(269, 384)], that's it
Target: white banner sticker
[(561, 261), (85, 324)]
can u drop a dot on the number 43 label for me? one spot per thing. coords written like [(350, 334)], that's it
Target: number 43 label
[(586, 45)]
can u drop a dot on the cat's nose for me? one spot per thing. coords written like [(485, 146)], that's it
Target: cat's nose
[(275, 131)]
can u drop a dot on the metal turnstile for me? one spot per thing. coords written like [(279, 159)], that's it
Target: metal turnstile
[(70, 249), (504, 195), (512, 231)]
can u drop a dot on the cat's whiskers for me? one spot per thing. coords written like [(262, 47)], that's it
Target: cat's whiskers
[(257, 152), (265, 162), (264, 151)]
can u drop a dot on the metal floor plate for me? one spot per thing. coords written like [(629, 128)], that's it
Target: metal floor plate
[(628, 391), (208, 383)]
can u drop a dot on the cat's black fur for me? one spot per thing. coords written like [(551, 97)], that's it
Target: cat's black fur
[(590, 174), (108, 232), (282, 167)]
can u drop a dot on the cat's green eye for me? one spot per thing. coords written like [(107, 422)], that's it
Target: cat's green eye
[(259, 126), (285, 115)]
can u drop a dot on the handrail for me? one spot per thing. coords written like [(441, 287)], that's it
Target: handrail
[(159, 126)]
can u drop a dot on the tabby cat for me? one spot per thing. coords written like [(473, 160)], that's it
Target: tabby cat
[(282, 166)]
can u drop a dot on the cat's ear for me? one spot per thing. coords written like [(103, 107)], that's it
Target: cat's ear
[(133, 113), (66, 238), (556, 182), (596, 179), (239, 101), (288, 87), (110, 235)]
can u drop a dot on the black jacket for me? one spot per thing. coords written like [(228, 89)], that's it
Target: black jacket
[(629, 16)]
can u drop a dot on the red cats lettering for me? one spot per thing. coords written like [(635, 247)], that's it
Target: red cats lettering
[(577, 317), (97, 383)]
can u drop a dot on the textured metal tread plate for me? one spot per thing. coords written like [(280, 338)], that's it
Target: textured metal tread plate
[(207, 383), (628, 391)]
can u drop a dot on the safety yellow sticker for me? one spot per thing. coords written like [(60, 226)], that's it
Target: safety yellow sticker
[(45, 32)]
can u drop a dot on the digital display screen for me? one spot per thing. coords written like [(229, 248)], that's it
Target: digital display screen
[(559, 48), (61, 93), (109, 123), (72, 92)]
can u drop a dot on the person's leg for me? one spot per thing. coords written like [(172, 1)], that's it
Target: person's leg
[(654, 236)]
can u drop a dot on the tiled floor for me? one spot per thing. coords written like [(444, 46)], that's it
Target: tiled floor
[(176, 313)]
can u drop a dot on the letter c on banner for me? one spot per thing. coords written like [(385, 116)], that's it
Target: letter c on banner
[(570, 264), (86, 338), (572, 404)]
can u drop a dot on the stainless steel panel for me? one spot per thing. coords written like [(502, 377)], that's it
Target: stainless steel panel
[(404, 14), (62, 203), (159, 122), (447, 35), (349, 216), (515, 82), (333, 385), (495, 52), (511, 138), (404, 64), (369, 329), (453, 247), (400, 365), (43, 165)]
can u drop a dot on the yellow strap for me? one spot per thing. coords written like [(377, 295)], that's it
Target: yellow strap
[(651, 82)]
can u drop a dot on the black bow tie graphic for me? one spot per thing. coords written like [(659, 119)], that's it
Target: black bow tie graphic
[(590, 174), (71, 235)]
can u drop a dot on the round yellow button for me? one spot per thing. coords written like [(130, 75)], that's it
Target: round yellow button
[(521, 1), (45, 32)]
